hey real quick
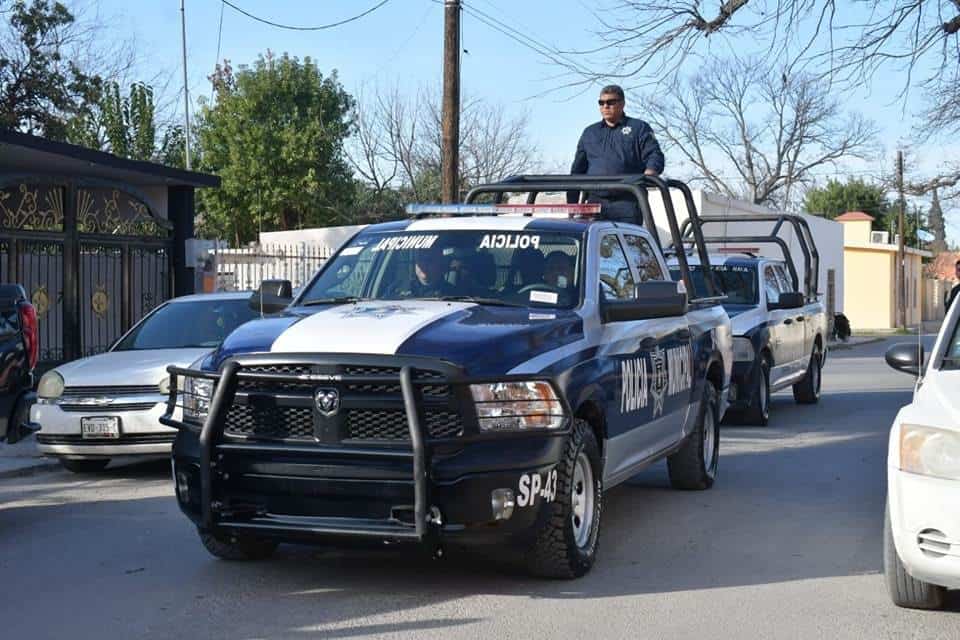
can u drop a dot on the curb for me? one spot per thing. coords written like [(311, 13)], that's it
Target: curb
[(843, 346), (40, 465)]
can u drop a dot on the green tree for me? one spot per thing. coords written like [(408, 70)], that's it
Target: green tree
[(836, 198), (40, 90), (937, 225), (275, 136), (122, 125)]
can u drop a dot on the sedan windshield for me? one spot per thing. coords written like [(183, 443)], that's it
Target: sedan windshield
[(509, 268), (738, 282), (182, 325)]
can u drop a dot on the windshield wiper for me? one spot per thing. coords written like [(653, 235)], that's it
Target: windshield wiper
[(340, 300), (478, 299)]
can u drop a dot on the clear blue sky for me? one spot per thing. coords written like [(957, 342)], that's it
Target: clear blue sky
[(401, 43)]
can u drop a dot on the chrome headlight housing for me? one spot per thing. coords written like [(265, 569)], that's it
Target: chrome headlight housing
[(517, 406), (50, 386), (197, 393), (929, 451), (743, 350)]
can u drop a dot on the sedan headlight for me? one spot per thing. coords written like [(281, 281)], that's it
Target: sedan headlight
[(50, 386), (930, 452), (743, 350), (197, 393), (517, 406)]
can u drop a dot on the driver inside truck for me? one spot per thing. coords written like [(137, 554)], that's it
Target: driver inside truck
[(558, 270)]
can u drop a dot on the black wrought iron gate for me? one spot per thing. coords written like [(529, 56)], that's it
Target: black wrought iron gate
[(92, 256)]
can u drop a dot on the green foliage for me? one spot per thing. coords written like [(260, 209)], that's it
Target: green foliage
[(275, 137), (122, 125), (40, 91), (838, 197)]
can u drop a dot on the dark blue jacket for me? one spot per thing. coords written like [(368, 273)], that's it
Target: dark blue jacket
[(629, 147)]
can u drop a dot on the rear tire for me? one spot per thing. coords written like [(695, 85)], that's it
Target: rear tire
[(237, 548), (758, 412), (694, 465), (84, 466), (905, 590), (566, 546), (807, 391)]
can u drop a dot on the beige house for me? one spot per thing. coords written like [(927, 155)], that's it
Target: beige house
[(871, 276)]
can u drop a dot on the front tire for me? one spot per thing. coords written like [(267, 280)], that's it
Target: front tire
[(84, 466), (694, 465), (758, 412), (566, 546), (807, 391), (905, 590), (237, 548)]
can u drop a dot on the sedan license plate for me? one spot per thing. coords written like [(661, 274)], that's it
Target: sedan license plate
[(100, 427)]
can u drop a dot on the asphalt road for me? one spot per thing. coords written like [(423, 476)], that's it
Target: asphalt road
[(786, 545)]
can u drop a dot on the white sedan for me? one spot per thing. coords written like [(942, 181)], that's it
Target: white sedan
[(110, 404), (922, 536)]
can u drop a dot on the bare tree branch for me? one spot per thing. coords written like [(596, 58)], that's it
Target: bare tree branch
[(769, 128)]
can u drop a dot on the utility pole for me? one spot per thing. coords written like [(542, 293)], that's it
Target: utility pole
[(450, 151), (186, 90), (901, 253)]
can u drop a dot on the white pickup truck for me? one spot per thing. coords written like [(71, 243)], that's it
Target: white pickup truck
[(779, 322)]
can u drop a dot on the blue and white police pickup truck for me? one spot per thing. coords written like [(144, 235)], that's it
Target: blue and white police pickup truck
[(476, 376), (779, 322)]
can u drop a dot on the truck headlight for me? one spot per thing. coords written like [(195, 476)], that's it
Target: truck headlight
[(197, 393), (930, 452), (164, 386), (50, 386), (517, 406), (743, 350)]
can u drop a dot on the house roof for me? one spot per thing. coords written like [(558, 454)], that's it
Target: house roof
[(851, 216), (21, 153)]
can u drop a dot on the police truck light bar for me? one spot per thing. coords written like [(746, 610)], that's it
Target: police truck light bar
[(586, 210)]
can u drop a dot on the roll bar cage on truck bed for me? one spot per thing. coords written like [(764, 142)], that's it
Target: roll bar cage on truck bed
[(811, 257), (638, 186), (240, 373)]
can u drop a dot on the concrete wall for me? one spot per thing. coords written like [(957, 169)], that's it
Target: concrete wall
[(869, 289), (329, 238), (827, 234)]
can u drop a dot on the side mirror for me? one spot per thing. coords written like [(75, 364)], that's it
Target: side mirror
[(654, 299), (788, 300), (905, 357), (272, 296)]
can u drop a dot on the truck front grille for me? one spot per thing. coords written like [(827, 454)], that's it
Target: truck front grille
[(287, 423), (391, 424)]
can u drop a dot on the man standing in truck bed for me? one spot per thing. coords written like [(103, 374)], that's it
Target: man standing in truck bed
[(618, 144)]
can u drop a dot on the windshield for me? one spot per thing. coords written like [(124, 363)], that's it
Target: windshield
[(513, 268), (738, 282), (182, 325), (951, 357)]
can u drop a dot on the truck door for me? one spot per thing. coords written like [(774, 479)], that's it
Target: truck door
[(653, 360), (781, 335), (800, 331)]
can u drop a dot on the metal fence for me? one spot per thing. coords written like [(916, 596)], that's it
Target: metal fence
[(245, 268)]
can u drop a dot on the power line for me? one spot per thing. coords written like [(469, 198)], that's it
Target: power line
[(217, 61), (302, 28)]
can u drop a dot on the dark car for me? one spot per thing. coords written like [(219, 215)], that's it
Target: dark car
[(19, 349)]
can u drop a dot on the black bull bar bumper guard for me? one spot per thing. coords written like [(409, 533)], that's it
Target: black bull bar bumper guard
[(232, 387)]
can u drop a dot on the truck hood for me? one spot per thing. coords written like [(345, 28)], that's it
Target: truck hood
[(937, 401), (123, 368), (484, 340)]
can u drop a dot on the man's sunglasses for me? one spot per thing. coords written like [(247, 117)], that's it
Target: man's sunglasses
[(609, 103)]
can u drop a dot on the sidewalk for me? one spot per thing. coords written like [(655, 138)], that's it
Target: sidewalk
[(853, 341), (22, 459)]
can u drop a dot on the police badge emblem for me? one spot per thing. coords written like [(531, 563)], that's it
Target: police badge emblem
[(658, 382), (627, 130)]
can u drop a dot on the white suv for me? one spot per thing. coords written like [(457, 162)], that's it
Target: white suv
[(922, 535)]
